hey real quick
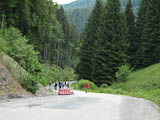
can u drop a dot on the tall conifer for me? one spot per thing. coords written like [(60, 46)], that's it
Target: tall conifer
[(113, 43), (149, 50), (140, 23), (85, 66), (133, 42)]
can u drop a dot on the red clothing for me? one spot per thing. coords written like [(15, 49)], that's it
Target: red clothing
[(87, 85)]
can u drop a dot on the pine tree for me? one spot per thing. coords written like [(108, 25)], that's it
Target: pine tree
[(62, 18), (7, 12), (130, 19), (140, 23), (85, 67), (74, 44), (149, 37), (148, 24), (113, 44)]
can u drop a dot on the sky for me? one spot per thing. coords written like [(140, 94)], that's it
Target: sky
[(63, 1)]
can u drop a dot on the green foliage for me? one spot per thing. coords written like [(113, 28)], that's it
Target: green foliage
[(148, 33), (21, 51), (43, 27), (70, 43), (132, 35), (38, 34), (30, 83), (145, 81), (54, 73), (104, 86), (123, 73), (85, 67), (3, 45), (111, 45), (80, 85)]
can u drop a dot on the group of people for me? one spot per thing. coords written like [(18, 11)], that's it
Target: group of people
[(66, 84), (61, 85)]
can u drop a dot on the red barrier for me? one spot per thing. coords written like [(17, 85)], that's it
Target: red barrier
[(65, 91)]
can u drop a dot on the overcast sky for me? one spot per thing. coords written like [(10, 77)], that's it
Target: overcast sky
[(63, 1)]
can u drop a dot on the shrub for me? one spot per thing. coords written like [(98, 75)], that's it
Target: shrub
[(81, 83), (123, 72), (29, 83)]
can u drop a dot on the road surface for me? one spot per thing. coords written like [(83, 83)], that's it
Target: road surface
[(80, 106)]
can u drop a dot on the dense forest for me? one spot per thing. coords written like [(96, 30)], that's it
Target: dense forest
[(38, 36), (37, 33), (114, 38), (79, 11)]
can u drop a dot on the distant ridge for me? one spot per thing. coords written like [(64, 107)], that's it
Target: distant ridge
[(78, 11)]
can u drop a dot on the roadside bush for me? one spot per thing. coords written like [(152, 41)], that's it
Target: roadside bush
[(123, 72), (29, 83), (104, 86), (81, 83)]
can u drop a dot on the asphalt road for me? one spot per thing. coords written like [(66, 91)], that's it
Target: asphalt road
[(80, 106)]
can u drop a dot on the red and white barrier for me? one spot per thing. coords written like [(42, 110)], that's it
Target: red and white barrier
[(65, 91)]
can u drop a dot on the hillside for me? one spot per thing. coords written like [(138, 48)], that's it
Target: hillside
[(78, 11), (9, 87), (145, 79), (146, 83)]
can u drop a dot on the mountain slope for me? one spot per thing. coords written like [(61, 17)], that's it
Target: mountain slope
[(78, 11)]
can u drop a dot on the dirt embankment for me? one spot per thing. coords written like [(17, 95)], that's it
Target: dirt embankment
[(9, 87)]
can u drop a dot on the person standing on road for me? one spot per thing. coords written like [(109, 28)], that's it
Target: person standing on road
[(63, 84), (55, 85), (86, 86), (67, 85), (60, 85)]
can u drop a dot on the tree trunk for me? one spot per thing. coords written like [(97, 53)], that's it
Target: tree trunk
[(2, 21), (44, 51), (70, 58), (57, 62), (51, 60)]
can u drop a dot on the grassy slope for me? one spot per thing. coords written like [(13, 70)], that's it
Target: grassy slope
[(146, 82)]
